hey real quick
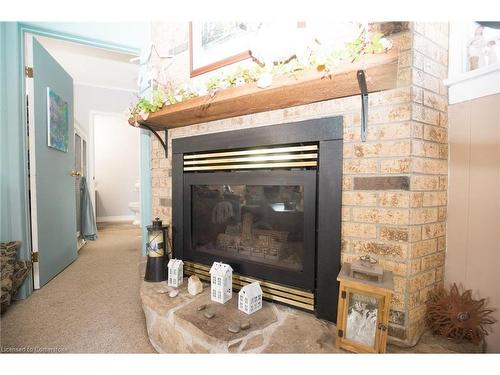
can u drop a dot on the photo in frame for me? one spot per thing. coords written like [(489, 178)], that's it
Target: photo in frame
[(57, 121), (213, 45)]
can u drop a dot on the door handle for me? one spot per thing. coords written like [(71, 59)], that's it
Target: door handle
[(75, 173)]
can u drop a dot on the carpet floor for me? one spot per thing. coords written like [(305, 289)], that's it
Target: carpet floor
[(92, 306)]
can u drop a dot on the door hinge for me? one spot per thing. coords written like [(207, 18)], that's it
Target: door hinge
[(343, 294), (28, 71), (340, 333), (34, 257)]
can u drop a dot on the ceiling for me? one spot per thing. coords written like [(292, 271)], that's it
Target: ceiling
[(93, 66)]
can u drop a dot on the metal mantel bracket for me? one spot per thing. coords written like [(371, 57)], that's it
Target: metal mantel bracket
[(364, 104), (163, 142)]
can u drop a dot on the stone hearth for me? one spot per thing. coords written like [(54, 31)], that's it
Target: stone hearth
[(176, 326)]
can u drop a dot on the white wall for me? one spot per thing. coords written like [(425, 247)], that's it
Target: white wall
[(116, 159), (473, 251), (91, 98), (93, 66)]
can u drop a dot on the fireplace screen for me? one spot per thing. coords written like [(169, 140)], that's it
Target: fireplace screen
[(255, 223), (266, 201)]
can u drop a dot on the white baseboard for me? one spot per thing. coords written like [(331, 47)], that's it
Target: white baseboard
[(107, 219)]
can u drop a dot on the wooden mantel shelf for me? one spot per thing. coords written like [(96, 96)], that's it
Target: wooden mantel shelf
[(310, 87)]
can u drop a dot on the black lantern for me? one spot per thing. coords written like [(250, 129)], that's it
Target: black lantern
[(156, 246)]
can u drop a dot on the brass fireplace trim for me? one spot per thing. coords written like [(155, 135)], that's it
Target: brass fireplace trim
[(255, 151), (271, 291), (278, 157), (252, 166)]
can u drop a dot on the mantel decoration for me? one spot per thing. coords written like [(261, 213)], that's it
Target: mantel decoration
[(367, 267), (221, 288), (457, 315), (363, 309), (250, 298), (213, 45), (156, 247), (175, 272), (313, 55)]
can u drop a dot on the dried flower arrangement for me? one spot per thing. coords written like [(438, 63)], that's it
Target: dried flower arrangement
[(457, 316)]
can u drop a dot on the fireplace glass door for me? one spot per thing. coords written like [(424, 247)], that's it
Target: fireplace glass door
[(261, 223)]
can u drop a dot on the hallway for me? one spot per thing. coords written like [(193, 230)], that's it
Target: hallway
[(92, 306)]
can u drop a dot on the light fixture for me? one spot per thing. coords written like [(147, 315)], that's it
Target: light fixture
[(156, 247)]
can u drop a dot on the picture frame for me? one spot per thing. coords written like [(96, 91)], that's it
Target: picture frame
[(57, 122), (213, 45)]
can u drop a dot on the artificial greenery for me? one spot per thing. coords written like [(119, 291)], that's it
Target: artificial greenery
[(319, 59)]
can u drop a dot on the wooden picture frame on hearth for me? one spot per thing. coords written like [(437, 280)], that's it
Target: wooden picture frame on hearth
[(363, 312)]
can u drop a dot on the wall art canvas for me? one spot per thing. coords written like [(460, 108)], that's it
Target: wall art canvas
[(361, 324), (57, 121)]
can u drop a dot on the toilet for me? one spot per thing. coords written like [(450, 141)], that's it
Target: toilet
[(135, 207)]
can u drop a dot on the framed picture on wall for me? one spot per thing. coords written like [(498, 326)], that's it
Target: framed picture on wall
[(57, 122), (213, 45)]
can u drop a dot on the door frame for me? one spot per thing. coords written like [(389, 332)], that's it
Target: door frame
[(145, 146), (84, 137), (31, 170)]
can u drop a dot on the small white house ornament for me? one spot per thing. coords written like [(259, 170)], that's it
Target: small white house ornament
[(250, 298), (175, 272), (221, 289)]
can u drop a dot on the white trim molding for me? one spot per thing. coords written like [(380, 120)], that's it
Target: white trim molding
[(30, 92), (466, 85), (474, 84)]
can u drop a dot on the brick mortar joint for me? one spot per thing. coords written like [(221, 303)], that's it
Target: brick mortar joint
[(415, 32)]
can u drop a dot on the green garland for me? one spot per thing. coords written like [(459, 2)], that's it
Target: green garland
[(323, 62)]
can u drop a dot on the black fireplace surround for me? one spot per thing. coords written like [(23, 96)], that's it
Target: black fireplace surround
[(231, 214)]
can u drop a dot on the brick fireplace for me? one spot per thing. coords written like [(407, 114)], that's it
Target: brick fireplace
[(394, 185)]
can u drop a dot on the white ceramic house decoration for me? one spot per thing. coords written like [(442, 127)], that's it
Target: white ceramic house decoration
[(221, 289), (250, 298), (175, 272)]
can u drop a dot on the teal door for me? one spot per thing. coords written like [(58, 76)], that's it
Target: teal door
[(52, 159)]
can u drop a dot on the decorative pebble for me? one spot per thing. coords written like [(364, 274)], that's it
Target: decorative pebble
[(209, 314), (162, 291), (202, 307), (245, 324), (234, 327), (173, 293), (195, 286)]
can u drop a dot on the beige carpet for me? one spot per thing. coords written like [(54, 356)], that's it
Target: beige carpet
[(92, 306)]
